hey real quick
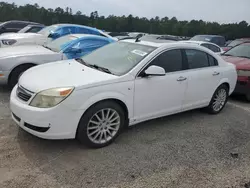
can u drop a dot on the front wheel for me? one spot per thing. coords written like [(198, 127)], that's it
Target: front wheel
[(218, 100), (101, 124)]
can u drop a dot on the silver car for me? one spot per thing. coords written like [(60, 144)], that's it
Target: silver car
[(17, 59)]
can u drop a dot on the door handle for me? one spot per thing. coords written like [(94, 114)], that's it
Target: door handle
[(180, 79), (216, 73)]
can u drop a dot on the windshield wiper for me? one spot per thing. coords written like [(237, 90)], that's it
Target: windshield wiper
[(227, 55), (93, 66), (83, 62), (47, 47), (102, 69), (244, 57)]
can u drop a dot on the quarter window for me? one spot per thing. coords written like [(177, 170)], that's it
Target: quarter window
[(171, 61), (197, 59), (212, 61)]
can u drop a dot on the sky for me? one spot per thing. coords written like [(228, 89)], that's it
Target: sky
[(222, 11)]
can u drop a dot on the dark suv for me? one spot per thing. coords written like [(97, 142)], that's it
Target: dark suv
[(216, 39), (14, 26)]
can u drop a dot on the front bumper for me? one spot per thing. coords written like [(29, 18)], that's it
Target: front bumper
[(4, 75), (242, 87), (59, 122)]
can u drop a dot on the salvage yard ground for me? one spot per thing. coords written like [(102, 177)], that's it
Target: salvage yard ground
[(191, 149)]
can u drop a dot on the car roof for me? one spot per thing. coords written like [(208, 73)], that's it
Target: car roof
[(90, 36), (198, 42), (75, 25), (210, 35), (167, 44)]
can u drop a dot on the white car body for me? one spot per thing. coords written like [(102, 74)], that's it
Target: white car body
[(201, 43), (24, 39), (144, 98)]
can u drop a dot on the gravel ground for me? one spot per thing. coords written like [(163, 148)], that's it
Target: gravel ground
[(191, 149)]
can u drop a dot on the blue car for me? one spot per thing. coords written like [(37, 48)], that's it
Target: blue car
[(59, 30), (17, 59)]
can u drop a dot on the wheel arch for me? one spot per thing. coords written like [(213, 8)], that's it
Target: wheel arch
[(20, 65)]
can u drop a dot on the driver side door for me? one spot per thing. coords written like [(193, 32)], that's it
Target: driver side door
[(157, 96)]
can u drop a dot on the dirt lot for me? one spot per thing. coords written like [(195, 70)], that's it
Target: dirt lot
[(191, 149)]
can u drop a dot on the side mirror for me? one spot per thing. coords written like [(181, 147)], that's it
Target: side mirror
[(154, 71)]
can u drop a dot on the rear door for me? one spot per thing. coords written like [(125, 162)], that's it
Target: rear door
[(203, 75)]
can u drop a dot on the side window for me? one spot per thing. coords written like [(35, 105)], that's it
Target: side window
[(205, 45), (68, 30), (212, 60), (21, 25), (34, 30), (86, 31), (196, 59), (171, 61), (214, 48)]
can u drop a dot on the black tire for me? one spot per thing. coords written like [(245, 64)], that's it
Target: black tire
[(16, 73), (247, 97), (82, 132), (210, 109)]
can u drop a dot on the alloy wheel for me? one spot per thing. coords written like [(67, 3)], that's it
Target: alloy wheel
[(103, 126)]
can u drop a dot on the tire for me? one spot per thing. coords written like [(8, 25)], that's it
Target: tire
[(16, 73), (248, 97), (220, 94), (90, 126)]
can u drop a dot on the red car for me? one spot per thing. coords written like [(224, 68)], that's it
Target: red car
[(235, 43), (240, 57)]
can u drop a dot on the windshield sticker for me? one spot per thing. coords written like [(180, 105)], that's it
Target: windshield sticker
[(139, 52), (207, 39)]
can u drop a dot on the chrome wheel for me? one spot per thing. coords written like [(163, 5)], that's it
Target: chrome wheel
[(103, 126), (219, 99)]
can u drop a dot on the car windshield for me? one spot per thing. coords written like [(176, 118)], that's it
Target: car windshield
[(46, 31), (235, 43), (243, 50), (58, 44), (201, 38), (119, 57)]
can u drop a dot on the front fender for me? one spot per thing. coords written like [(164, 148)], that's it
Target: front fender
[(105, 96)]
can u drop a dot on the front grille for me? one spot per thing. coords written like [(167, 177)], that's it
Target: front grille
[(23, 94)]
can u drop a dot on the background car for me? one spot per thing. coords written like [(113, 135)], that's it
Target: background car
[(14, 61), (213, 47), (240, 57), (94, 97), (216, 39), (14, 26), (159, 38), (48, 34), (31, 29), (235, 43)]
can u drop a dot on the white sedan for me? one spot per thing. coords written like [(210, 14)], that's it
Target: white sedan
[(94, 97), (215, 48)]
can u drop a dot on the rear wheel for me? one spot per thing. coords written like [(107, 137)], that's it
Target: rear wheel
[(218, 100), (16, 73), (101, 124)]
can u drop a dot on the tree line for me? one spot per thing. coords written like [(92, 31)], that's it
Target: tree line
[(129, 23)]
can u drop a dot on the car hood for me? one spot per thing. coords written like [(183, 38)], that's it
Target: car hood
[(24, 50), (240, 63), (66, 73), (19, 35)]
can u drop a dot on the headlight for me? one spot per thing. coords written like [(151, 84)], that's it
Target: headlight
[(9, 42), (243, 72), (51, 97)]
